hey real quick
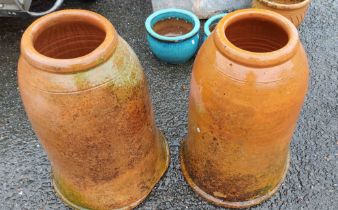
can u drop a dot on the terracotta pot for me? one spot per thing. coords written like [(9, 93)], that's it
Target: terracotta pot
[(290, 8), (248, 85), (86, 96)]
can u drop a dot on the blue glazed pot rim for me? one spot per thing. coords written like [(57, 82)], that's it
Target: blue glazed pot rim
[(210, 21), (195, 21)]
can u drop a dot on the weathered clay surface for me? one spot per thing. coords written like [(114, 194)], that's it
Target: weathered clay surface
[(92, 113), (311, 182), (243, 109), (295, 11)]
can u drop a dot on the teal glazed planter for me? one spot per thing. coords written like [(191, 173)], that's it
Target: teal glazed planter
[(211, 21), (173, 50)]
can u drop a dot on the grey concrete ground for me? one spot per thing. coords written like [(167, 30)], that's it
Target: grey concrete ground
[(311, 182)]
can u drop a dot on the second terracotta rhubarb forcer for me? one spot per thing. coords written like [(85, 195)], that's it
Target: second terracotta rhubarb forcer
[(86, 95), (294, 10), (248, 85)]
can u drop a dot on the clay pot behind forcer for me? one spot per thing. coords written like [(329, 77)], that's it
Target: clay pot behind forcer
[(173, 49), (293, 11), (248, 85), (86, 96)]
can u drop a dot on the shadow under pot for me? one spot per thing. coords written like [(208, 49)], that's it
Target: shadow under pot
[(173, 35), (248, 85), (211, 24), (86, 96), (294, 10)]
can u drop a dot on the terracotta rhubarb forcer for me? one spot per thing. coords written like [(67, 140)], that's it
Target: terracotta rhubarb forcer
[(294, 10), (248, 85), (86, 96)]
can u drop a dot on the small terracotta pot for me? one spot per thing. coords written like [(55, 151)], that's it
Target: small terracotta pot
[(248, 85), (295, 12), (86, 96)]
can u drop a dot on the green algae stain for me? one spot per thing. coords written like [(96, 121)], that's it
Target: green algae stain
[(68, 194), (265, 190), (133, 76), (101, 60), (126, 70), (81, 81)]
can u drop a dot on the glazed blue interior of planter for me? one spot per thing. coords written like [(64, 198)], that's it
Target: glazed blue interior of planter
[(172, 13)]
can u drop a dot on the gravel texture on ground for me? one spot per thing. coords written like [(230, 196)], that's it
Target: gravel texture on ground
[(311, 182)]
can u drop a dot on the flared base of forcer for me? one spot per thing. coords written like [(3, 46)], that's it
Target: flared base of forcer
[(131, 205), (228, 204)]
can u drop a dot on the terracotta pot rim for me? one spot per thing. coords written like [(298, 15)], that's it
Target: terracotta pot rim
[(255, 59), (285, 6), (82, 63)]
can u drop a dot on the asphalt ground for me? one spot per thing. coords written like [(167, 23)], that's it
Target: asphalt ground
[(311, 182)]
